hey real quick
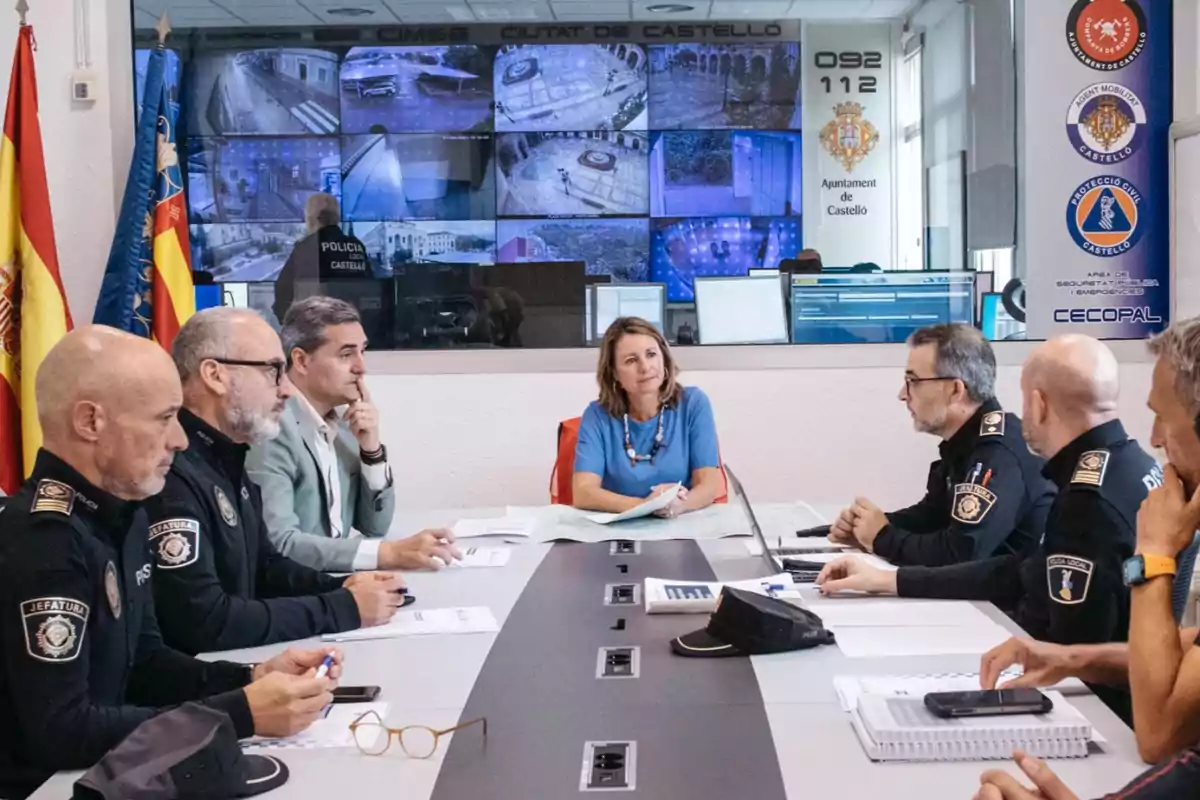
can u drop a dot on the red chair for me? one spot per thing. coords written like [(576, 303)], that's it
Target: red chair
[(563, 474)]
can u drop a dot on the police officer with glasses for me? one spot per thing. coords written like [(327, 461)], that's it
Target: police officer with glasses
[(82, 663)]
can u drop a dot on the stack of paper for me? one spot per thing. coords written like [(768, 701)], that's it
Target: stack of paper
[(896, 728), (697, 597), (332, 731), (651, 506), (425, 622), (508, 527)]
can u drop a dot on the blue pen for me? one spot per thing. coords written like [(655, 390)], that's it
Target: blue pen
[(326, 664), (771, 589)]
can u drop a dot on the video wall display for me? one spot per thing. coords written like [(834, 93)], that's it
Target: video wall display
[(391, 244), (646, 162), (417, 89), (577, 173), (270, 179), (682, 250), (244, 251), (418, 176), (616, 247), (571, 87), (705, 86), (726, 172), (141, 61)]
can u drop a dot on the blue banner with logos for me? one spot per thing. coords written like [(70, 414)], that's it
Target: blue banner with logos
[(1097, 257)]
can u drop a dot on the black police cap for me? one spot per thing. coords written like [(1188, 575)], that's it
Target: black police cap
[(746, 623), (188, 753)]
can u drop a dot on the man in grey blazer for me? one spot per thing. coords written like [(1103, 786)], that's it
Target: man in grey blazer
[(326, 475)]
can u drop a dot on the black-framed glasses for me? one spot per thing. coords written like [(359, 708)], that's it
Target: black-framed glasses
[(278, 365), (912, 380)]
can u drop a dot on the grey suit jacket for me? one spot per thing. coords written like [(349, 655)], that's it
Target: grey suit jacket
[(294, 494)]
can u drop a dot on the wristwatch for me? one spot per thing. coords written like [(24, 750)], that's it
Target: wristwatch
[(1141, 568), (377, 457)]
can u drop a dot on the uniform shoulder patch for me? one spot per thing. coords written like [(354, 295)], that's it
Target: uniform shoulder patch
[(175, 542), (972, 503), (53, 496), (54, 628), (992, 424), (1091, 467), (1068, 578)]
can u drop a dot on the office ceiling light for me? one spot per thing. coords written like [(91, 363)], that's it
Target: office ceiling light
[(669, 8), (349, 12)]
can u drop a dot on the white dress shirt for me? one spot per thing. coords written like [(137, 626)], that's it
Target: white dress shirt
[(375, 476)]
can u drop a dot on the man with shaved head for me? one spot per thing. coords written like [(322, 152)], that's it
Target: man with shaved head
[(1068, 587), (82, 663), (219, 582)]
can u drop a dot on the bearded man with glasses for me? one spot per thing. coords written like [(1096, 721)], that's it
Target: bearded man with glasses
[(986, 495), (219, 583)]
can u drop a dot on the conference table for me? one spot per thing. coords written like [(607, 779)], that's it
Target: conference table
[(765, 727)]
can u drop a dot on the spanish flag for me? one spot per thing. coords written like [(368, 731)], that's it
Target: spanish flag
[(33, 305), (147, 288)]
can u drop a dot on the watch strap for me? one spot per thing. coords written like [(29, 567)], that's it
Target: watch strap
[(377, 457), (1156, 566)]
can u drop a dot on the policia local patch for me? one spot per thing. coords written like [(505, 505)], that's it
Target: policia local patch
[(54, 628), (1069, 578), (972, 502)]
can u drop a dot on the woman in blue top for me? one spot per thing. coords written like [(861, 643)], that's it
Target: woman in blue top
[(646, 432)]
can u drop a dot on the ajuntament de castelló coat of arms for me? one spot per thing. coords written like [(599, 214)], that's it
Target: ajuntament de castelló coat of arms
[(848, 137)]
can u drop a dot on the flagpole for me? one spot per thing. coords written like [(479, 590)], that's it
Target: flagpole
[(163, 27)]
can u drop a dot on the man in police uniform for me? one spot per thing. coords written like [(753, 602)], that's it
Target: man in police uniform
[(326, 254), (985, 496), (1069, 588), (81, 660), (220, 584)]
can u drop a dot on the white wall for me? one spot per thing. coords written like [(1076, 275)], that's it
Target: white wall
[(87, 146), (821, 433)]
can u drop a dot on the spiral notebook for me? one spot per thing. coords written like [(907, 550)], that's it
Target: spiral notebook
[(900, 728)]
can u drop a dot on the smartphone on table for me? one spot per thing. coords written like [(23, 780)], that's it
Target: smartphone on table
[(988, 703), (355, 694)]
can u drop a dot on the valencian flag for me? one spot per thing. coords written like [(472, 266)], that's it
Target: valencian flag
[(33, 305), (147, 287)]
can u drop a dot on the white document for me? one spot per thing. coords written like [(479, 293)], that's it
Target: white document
[(698, 597), (331, 731), (473, 557), (896, 613), (886, 642), (645, 509), (425, 622), (503, 526)]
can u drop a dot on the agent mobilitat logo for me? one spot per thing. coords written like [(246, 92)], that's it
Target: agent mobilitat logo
[(1106, 123)]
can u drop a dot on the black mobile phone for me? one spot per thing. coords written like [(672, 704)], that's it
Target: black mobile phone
[(988, 703), (355, 694)]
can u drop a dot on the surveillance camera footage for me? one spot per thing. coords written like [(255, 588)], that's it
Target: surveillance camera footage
[(616, 247), (417, 89), (418, 176), (141, 62), (682, 250), (570, 87), (390, 244), (245, 251), (700, 86), (278, 91), (233, 179), (726, 172), (581, 173)]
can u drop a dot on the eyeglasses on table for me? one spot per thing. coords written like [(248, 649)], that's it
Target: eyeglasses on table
[(373, 738)]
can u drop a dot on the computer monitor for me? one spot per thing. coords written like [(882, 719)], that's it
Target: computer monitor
[(877, 307), (645, 300), (258, 295), (589, 328), (375, 300), (741, 310), (995, 321)]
